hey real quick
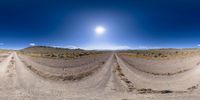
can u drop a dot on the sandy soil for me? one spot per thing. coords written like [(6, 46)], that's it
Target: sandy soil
[(63, 63), (116, 79)]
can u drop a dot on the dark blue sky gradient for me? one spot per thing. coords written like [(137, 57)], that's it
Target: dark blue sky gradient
[(133, 23)]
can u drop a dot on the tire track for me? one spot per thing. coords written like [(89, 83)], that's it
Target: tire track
[(157, 74), (142, 90), (129, 85), (115, 83), (9, 85), (64, 74)]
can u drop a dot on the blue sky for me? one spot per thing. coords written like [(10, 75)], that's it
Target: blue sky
[(128, 23)]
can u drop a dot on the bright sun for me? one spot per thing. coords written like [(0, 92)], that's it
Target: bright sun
[(100, 30)]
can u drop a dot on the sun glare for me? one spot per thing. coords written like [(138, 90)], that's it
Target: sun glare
[(100, 30)]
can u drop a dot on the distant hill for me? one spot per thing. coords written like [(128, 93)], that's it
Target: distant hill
[(48, 49)]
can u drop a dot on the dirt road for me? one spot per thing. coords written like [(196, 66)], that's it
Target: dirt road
[(114, 80)]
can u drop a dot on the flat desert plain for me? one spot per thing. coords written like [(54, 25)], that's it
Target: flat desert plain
[(46, 73)]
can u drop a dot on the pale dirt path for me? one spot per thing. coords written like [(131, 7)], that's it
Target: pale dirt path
[(4, 64), (22, 84), (9, 87)]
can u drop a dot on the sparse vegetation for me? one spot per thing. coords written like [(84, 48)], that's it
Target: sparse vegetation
[(142, 91), (161, 53), (60, 53), (2, 51)]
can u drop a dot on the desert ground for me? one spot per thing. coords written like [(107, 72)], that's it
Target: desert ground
[(46, 73)]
